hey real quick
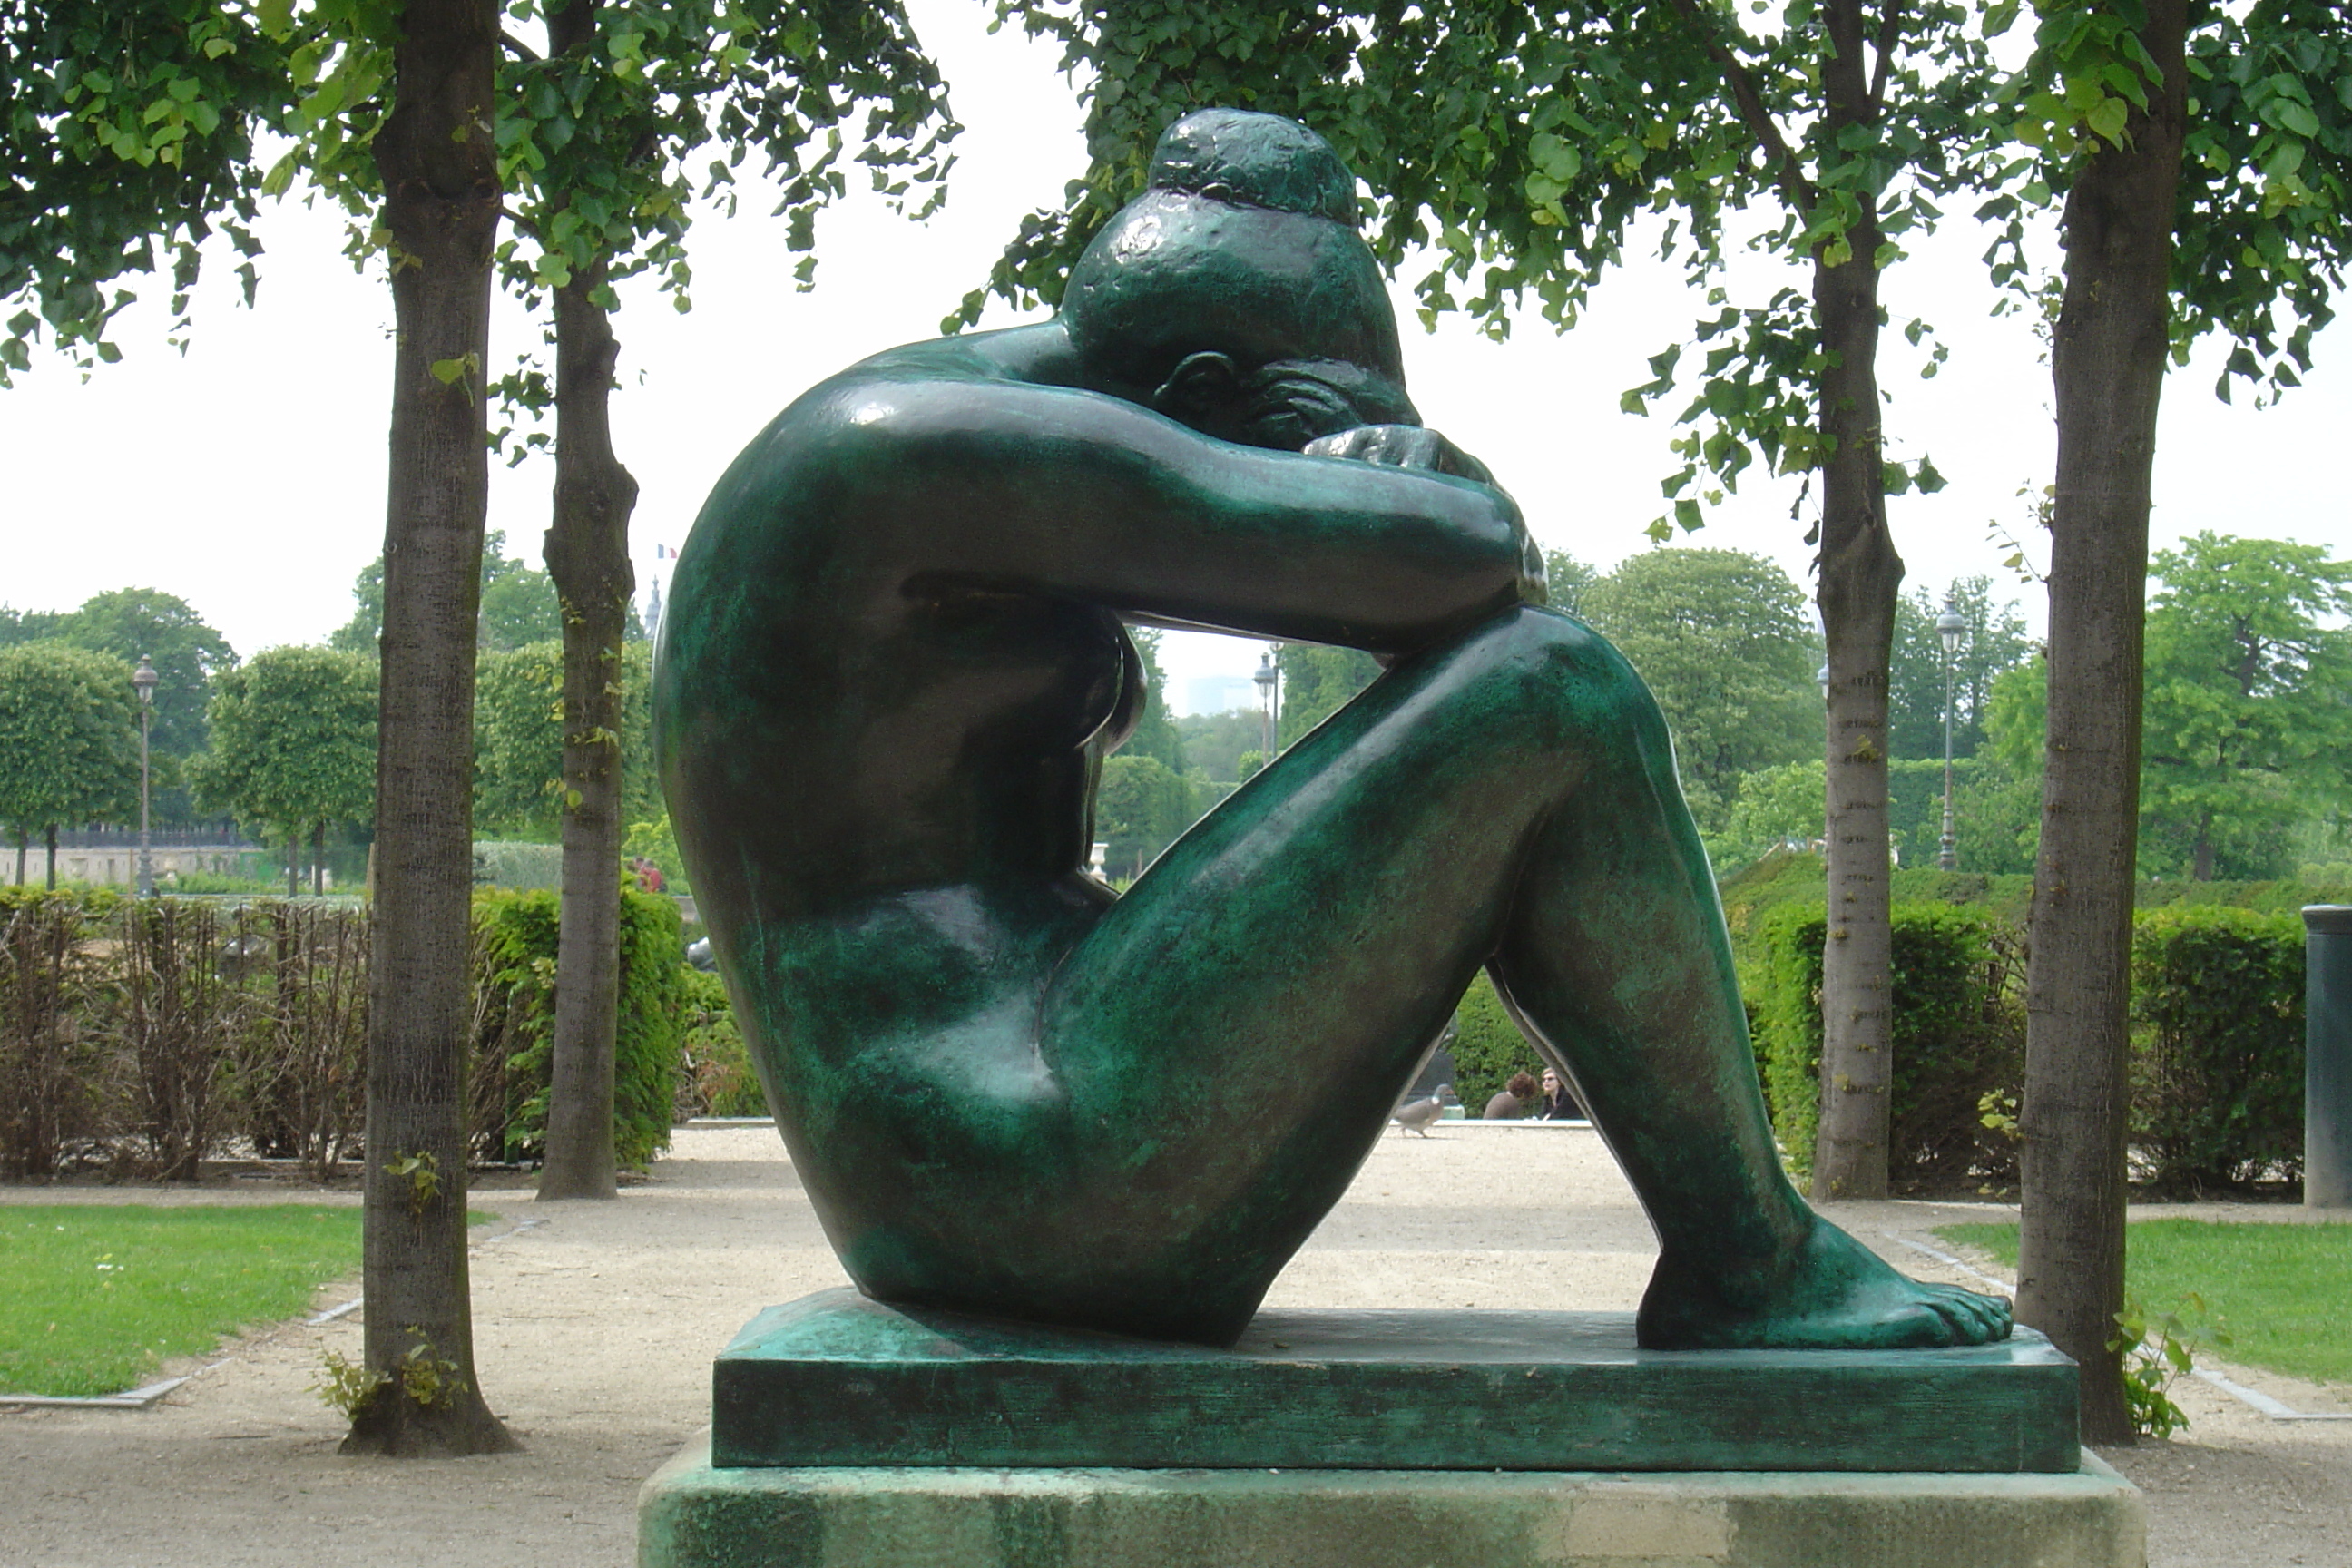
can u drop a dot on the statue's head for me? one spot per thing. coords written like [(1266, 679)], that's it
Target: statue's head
[(1235, 294)]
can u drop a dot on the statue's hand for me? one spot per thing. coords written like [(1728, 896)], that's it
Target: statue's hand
[(1402, 447)]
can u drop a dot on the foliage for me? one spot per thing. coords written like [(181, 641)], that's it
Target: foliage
[(517, 866), (69, 737), (52, 1067), (1773, 808), (1958, 1036), (126, 138), (1213, 743), (2246, 715), (719, 1078), (1317, 682), (654, 841), (1488, 1048), (2157, 1347), (187, 653), (1994, 641), (294, 741), (514, 988), (1141, 805), (2217, 1071), (518, 739), (1155, 734), (1566, 581), (99, 1295), (2249, 705), (1724, 644)]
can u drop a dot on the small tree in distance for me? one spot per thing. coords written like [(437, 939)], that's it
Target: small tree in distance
[(294, 747), (68, 742)]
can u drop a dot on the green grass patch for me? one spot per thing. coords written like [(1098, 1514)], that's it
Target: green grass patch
[(2279, 1290), (94, 1298)]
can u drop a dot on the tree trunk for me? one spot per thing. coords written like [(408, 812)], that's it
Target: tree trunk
[(587, 552), (293, 861), (318, 858), (49, 843), (2107, 362), (441, 205), (21, 838), (2200, 861), (1861, 576)]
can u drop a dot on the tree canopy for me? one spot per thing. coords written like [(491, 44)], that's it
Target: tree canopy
[(68, 739), (1725, 644), (1992, 641), (293, 741)]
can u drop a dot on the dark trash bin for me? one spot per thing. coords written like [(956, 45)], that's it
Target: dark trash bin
[(2327, 1057)]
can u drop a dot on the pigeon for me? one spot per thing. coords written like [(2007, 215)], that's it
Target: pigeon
[(1415, 1115)]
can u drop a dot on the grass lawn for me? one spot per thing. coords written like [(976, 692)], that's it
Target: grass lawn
[(94, 1298), (2280, 1290)]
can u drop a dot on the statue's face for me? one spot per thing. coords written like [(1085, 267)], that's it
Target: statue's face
[(1283, 403), (1291, 401)]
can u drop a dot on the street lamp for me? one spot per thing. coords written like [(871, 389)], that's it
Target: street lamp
[(145, 678), (1950, 627), (1266, 678)]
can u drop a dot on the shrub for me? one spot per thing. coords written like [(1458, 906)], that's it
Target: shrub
[(51, 1060), (1958, 1036), (514, 1033), (1488, 1046), (717, 1078), (2218, 1044)]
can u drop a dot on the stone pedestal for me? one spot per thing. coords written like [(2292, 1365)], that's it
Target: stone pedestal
[(836, 1379), (691, 1515), (850, 1434)]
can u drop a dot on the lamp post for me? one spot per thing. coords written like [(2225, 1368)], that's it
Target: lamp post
[(1950, 627), (145, 678), (1266, 678)]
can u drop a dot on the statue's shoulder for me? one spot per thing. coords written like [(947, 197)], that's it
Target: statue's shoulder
[(1037, 355)]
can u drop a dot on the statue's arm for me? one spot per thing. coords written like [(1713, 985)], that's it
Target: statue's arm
[(1045, 489)]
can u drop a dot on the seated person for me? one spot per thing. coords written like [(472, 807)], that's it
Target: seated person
[(895, 659)]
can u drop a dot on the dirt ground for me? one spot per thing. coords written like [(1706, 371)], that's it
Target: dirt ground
[(595, 1324)]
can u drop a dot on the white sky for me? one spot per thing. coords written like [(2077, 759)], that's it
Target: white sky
[(248, 475)]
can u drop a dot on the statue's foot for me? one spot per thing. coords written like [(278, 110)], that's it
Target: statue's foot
[(1831, 1293)]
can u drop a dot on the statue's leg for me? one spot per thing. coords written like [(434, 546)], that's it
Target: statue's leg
[(1235, 1029)]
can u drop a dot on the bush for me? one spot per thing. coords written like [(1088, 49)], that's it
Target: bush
[(514, 1032), (717, 1078), (51, 1060), (1959, 1037), (1488, 1046), (2218, 1045)]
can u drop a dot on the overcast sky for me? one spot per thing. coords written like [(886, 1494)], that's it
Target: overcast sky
[(248, 475)]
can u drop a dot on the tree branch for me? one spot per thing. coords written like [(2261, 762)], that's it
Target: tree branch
[(520, 221), (1787, 171), (518, 46), (1890, 33)]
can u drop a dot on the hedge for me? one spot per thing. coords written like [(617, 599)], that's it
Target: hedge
[(2216, 1042), (142, 1037), (1959, 1037), (514, 1034), (1488, 1046), (2217, 1047)]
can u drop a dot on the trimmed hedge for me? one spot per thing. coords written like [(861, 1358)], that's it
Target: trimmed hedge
[(1488, 1046), (1959, 1035), (2216, 1046), (514, 1034), (717, 1078)]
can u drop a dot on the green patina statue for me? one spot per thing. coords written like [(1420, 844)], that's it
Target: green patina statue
[(895, 659)]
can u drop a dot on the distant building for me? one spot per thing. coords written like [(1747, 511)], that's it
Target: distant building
[(1219, 693)]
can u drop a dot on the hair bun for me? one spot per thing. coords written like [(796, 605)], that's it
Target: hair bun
[(1254, 160)]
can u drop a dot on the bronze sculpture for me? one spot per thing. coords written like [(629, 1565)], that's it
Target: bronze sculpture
[(895, 659)]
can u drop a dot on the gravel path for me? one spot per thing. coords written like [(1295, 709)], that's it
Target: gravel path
[(595, 1323)]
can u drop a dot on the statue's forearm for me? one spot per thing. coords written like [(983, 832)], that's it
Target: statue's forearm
[(1078, 496)]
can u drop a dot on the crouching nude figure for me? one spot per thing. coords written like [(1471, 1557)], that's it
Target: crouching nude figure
[(895, 659)]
